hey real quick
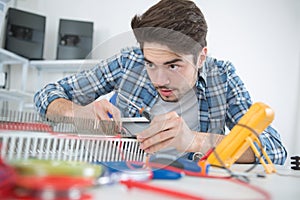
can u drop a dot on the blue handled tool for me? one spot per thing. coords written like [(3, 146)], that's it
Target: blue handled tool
[(179, 163), (134, 168)]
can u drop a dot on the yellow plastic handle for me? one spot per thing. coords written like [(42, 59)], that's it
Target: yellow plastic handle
[(257, 119)]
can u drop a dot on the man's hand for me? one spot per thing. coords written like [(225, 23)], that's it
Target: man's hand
[(95, 110), (167, 130), (101, 110)]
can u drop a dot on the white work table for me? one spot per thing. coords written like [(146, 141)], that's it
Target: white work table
[(278, 187)]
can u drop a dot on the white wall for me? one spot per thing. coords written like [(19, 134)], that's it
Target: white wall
[(110, 17), (260, 37)]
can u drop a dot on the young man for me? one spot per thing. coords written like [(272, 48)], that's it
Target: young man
[(192, 96)]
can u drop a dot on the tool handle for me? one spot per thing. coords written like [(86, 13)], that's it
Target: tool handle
[(146, 114)]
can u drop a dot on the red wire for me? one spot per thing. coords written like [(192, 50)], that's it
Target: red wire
[(145, 186), (27, 126), (44, 127), (141, 185)]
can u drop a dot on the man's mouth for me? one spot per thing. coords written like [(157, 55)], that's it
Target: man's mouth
[(165, 92)]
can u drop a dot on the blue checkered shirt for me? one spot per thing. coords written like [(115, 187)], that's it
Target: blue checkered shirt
[(222, 96)]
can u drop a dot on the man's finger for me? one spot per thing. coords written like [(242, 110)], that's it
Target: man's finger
[(167, 122), (104, 109)]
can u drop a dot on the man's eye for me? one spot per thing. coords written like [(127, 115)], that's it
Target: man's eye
[(173, 67), (149, 65)]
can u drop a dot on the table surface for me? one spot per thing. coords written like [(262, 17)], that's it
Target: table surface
[(276, 185)]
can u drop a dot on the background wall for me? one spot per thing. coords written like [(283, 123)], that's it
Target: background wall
[(260, 37)]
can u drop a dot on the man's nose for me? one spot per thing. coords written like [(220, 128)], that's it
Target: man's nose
[(161, 78)]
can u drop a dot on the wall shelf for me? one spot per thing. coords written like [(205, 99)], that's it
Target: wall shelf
[(61, 66), (10, 58)]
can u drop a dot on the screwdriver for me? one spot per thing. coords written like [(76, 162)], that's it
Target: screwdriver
[(142, 111)]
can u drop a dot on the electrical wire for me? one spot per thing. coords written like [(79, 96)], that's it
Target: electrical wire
[(254, 164), (229, 178), (260, 145), (260, 156), (189, 173), (233, 177)]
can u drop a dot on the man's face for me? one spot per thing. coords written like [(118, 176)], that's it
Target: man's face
[(172, 74)]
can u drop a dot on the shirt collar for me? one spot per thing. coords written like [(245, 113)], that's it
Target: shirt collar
[(202, 76)]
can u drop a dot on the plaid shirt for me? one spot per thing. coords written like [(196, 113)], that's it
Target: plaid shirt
[(222, 96)]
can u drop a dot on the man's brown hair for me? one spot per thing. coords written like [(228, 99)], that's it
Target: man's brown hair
[(178, 24)]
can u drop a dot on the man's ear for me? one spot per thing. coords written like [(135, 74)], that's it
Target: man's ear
[(202, 57)]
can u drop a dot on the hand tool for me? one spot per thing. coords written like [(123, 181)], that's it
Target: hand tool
[(164, 160), (142, 111), (129, 168)]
